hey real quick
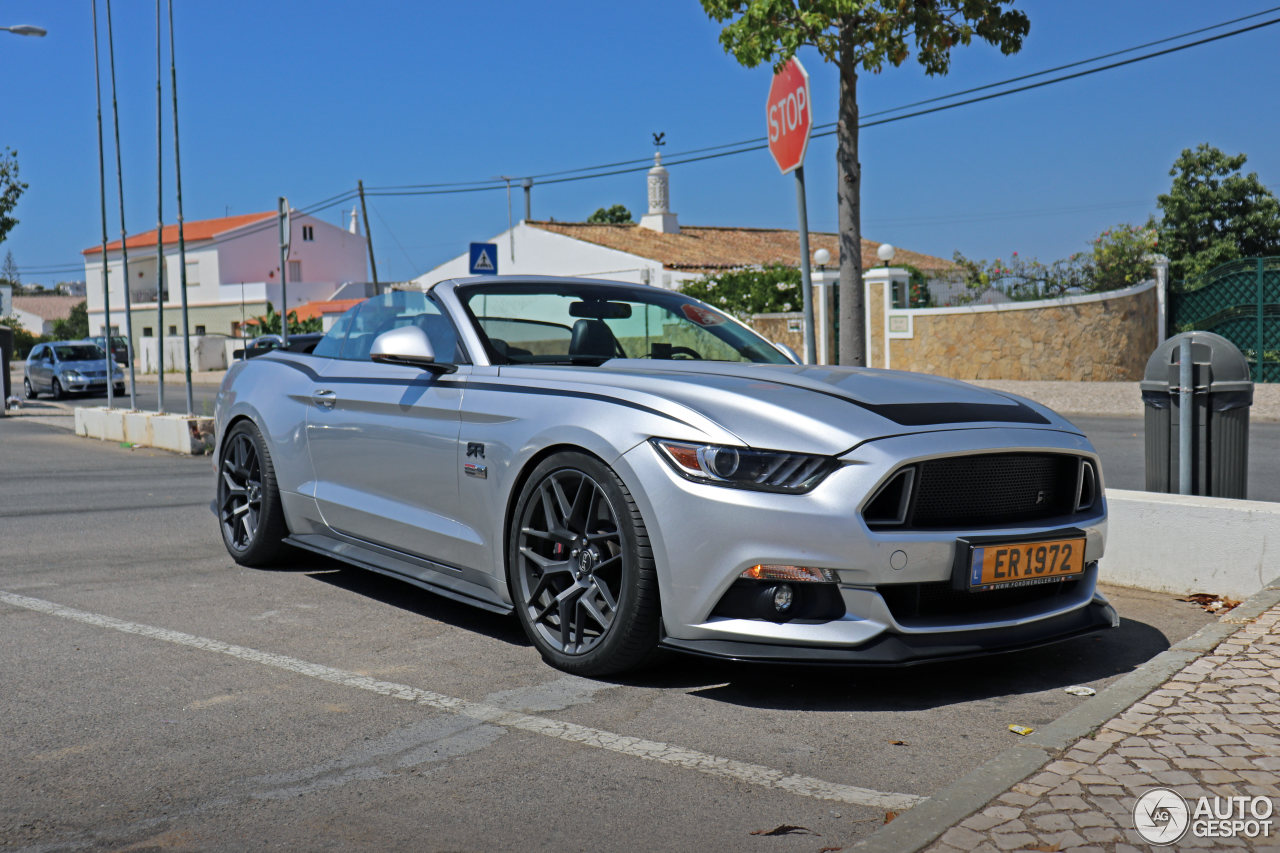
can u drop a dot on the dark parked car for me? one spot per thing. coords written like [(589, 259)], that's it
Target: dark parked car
[(263, 344), (120, 349)]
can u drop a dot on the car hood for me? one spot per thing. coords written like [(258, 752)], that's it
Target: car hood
[(807, 408)]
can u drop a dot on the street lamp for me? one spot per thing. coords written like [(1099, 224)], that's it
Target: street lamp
[(26, 30), (822, 257), (886, 253)]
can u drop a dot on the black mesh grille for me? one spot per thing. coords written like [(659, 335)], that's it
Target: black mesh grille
[(911, 601), (991, 489)]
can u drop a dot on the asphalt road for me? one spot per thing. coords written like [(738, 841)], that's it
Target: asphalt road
[(156, 695), (1120, 443)]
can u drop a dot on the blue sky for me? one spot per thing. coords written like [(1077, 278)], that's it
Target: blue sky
[(303, 99)]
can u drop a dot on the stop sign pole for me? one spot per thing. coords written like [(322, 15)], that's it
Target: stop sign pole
[(789, 113)]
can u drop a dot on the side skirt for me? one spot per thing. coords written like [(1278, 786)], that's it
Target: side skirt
[(443, 580)]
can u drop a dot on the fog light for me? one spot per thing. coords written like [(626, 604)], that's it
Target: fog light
[(783, 597)]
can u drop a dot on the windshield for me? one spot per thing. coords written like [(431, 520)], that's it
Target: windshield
[(79, 352), (571, 323)]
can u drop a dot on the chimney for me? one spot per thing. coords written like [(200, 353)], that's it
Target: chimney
[(354, 227), (659, 218)]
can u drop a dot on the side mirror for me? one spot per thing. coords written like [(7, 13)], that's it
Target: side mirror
[(238, 354), (409, 346)]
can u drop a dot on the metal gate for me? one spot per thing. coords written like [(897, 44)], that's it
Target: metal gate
[(1239, 300)]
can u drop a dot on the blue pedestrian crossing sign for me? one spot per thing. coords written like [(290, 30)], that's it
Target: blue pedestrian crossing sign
[(484, 259)]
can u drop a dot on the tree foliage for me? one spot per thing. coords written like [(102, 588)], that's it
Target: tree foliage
[(11, 190), (860, 35), (1119, 257), (270, 323), (9, 273), (1213, 214), (767, 290), (23, 340), (616, 215), (76, 324)]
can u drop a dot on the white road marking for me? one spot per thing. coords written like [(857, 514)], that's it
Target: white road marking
[(665, 753)]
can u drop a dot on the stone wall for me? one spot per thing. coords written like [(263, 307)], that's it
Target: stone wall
[(1103, 337), (1092, 338)]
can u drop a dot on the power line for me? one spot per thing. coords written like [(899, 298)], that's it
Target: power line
[(757, 143)]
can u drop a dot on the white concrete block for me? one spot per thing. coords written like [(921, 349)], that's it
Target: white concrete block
[(182, 434), (1183, 543), (112, 425), (137, 428)]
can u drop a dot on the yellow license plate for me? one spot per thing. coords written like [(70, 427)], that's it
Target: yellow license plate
[(999, 566)]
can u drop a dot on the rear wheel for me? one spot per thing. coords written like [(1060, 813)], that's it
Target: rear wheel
[(249, 509), (57, 391), (581, 570)]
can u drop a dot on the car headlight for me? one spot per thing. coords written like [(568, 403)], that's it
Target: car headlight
[(73, 375), (745, 468)]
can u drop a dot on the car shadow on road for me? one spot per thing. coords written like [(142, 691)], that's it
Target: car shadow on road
[(396, 593), (1084, 660)]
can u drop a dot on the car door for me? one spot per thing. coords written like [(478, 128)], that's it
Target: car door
[(384, 438), (36, 371), (44, 369)]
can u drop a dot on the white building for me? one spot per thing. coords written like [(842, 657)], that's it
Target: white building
[(657, 251), (232, 268)]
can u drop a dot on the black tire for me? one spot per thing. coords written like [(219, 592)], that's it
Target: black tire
[(28, 390), (581, 569), (56, 389), (250, 515)]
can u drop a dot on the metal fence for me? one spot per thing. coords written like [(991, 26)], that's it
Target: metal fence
[(1239, 300)]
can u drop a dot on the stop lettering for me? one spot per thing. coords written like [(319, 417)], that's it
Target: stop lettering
[(789, 115)]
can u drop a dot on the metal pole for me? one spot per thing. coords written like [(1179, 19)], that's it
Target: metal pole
[(284, 278), (511, 234), (102, 194), (182, 245), (124, 236), (1184, 416), (159, 225), (368, 235), (528, 199), (806, 283)]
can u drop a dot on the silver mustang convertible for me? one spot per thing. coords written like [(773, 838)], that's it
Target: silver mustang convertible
[(626, 468)]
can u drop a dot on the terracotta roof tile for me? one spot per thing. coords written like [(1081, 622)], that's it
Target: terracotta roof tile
[(201, 229), (707, 249), (328, 306), (54, 307)]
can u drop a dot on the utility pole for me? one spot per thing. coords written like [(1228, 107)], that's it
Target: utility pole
[(159, 227), (511, 234), (124, 236), (182, 244), (285, 233), (102, 194), (368, 235)]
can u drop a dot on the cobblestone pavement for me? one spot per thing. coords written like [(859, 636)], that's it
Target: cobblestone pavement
[(1212, 730)]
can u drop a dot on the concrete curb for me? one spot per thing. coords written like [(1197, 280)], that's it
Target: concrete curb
[(923, 824), (185, 434)]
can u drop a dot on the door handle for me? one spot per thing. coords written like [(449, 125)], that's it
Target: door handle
[(324, 398)]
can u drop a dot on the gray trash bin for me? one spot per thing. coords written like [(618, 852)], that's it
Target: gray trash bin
[(1219, 414), (6, 357)]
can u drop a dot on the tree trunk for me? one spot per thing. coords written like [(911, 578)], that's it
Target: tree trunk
[(848, 191)]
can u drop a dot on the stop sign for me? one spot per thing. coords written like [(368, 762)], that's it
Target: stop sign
[(790, 116)]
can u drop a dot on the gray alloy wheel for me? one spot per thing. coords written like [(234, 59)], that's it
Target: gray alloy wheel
[(28, 390), (249, 510), (56, 389), (580, 568)]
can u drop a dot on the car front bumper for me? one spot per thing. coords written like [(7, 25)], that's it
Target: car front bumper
[(705, 536)]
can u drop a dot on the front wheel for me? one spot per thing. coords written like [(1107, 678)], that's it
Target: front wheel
[(249, 509), (57, 391), (581, 569), (28, 390)]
